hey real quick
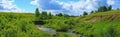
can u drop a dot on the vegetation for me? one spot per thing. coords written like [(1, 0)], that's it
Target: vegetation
[(19, 25), (101, 23), (85, 13), (104, 8), (37, 13)]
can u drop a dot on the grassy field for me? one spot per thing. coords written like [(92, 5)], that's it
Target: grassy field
[(19, 25), (99, 24)]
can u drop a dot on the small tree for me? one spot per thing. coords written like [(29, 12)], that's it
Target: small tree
[(85, 13), (102, 9), (49, 15), (60, 14), (110, 8), (118, 9), (66, 15), (43, 15), (92, 12), (80, 15), (37, 12)]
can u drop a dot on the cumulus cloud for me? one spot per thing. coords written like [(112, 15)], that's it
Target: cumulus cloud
[(7, 5), (115, 3), (35, 2), (111, 2), (47, 4), (72, 7)]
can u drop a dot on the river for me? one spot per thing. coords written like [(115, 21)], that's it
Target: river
[(53, 32)]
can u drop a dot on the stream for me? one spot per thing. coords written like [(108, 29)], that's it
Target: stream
[(53, 32)]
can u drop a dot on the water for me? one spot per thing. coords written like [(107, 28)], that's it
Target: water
[(49, 30), (53, 32)]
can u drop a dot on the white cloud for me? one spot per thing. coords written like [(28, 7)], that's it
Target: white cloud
[(111, 2), (34, 2), (74, 8), (7, 5)]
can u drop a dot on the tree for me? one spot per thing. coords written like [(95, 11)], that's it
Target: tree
[(43, 15), (49, 15), (92, 12), (85, 13), (37, 12), (110, 8), (118, 9), (66, 15), (102, 9), (80, 15), (60, 14)]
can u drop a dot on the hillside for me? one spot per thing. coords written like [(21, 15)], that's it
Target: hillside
[(101, 24), (19, 25), (106, 16)]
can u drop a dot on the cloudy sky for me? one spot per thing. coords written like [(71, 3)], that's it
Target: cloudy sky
[(71, 7)]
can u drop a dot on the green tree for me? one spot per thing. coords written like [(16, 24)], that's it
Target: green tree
[(92, 12), (85, 13), (110, 8), (37, 12), (102, 9), (65, 15), (50, 15), (43, 15), (118, 9), (60, 14)]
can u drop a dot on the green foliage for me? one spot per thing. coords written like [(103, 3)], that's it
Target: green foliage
[(85, 13), (110, 8), (19, 25), (50, 15), (92, 12), (60, 14), (102, 27), (65, 15), (43, 15), (118, 9), (102, 9), (37, 12)]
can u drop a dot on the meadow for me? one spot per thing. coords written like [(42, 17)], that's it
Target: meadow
[(98, 24)]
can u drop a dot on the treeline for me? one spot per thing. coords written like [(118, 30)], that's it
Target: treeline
[(100, 9), (46, 15)]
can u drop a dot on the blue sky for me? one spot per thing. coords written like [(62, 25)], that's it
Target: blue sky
[(25, 4), (71, 7)]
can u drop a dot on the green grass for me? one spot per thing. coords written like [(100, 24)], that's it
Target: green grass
[(102, 27), (19, 25), (107, 13), (106, 24)]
